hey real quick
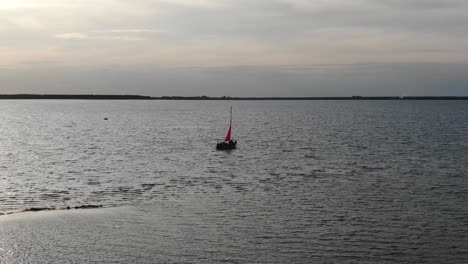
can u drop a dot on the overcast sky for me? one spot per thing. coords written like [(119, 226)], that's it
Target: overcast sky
[(235, 47)]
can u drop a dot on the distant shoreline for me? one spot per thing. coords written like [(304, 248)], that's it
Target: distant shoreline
[(206, 98)]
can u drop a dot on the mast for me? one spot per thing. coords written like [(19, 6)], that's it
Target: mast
[(230, 120)]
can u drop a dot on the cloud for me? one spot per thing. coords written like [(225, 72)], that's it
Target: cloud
[(81, 36), (27, 22), (136, 31), (124, 38), (422, 5), (240, 43), (196, 3), (21, 57), (245, 32), (71, 36)]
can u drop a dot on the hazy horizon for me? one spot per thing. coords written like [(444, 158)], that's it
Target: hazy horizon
[(235, 48)]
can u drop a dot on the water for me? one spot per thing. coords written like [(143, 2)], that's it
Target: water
[(311, 181)]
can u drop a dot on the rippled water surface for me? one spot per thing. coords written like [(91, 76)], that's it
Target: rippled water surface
[(311, 181)]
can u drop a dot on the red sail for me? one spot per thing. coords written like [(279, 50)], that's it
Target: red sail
[(228, 136)]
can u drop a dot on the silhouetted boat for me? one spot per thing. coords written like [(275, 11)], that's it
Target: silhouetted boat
[(228, 143)]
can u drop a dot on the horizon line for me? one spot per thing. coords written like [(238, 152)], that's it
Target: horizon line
[(204, 97)]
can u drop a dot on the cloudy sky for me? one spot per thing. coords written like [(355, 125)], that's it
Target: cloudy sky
[(235, 47)]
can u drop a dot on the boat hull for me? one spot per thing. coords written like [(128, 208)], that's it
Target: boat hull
[(226, 145)]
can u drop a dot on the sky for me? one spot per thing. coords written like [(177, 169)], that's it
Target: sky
[(235, 47)]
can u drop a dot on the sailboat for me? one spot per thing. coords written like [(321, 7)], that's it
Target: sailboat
[(228, 143)]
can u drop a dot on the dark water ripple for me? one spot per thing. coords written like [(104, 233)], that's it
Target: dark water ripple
[(350, 182)]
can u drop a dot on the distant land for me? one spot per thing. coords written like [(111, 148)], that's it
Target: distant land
[(142, 97)]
